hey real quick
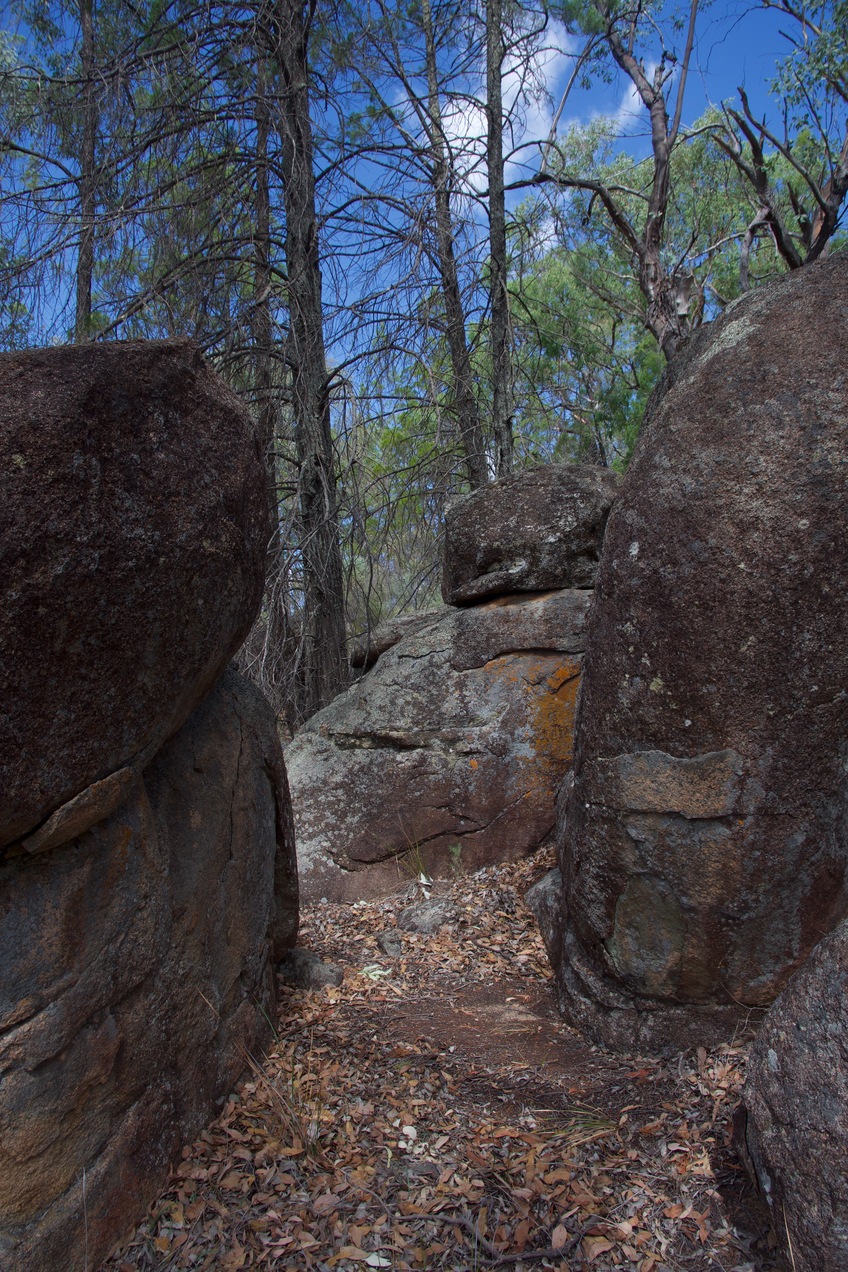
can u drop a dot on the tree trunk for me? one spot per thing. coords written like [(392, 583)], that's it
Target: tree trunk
[(325, 662), (501, 350), (465, 403), (658, 287), (665, 316), (261, 322), (85, 254)]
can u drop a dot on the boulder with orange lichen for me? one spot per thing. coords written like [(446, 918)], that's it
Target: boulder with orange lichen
[(447, 754)]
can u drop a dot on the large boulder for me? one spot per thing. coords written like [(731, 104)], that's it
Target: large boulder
[(538, 530), (446, 755), (137, 979), (704, 848), (133, 531), (796, 1105)]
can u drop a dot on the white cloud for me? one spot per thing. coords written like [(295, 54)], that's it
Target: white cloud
[(630, 113), (533, 81)]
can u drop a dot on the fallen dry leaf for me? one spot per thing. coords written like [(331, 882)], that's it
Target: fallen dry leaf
[(433, 1113)]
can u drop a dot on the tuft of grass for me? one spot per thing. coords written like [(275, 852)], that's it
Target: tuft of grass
[(455, 859), (298, 1108), (412, 864)]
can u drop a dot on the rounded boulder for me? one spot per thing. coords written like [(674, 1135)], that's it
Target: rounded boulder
[(795, 1113), (133, 529), (703, 846)]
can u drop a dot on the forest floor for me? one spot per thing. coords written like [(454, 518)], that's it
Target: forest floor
[(433, 1112)]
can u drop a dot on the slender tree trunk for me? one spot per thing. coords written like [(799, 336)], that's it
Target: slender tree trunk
[(262, 328), (501, 349), (665, 316), (277, 618), (85, 255), (465, 403), (826, 216), (324, 632)]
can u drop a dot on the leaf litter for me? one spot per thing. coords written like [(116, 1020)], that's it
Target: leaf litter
[(433, 1112)]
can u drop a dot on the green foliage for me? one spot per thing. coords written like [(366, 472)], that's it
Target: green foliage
[(586, 362), (817, 67)]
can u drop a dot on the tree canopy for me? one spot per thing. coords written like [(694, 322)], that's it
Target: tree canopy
[(418, 266)]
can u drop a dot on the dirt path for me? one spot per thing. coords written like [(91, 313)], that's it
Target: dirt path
[(434, 1113)]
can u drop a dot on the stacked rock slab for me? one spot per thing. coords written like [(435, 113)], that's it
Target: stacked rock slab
[(365, 651), (448, 753), (140, 917), (703, 844), (796, 1110)]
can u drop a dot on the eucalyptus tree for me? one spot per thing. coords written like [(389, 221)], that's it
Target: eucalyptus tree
[(640, 48), (797, 173), (585, 364), (789, 188), (585, 359)]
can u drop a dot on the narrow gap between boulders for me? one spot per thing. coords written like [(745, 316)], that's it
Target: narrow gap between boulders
[(433, 1112)]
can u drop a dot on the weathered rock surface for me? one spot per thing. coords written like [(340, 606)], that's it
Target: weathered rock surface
[(390, 943), (367, 649), (447, 753), (305, 969), (796, 1099), (539, 530), (137, 971), (704, 847), (426, 917), (133, 529), (544, 900)]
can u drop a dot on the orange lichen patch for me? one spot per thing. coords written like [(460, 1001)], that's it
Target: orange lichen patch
[(547, 685), (508, 667), (553, 727)]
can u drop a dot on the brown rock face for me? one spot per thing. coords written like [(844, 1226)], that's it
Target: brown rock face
[(447, 754), (365, 651), (133, 529), (704, 845), (137, 966), (538, 530), (796, 1098)]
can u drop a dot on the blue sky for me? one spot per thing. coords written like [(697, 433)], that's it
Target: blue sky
[(737, 43)]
